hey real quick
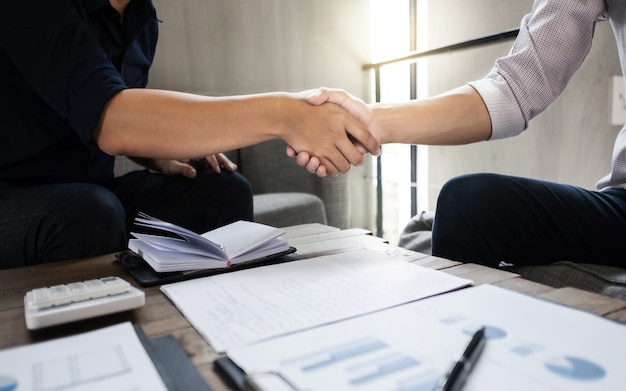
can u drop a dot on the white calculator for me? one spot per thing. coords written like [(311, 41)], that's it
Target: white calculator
[(65, 303)]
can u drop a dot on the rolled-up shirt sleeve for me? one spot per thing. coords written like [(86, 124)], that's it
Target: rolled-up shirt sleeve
[(507, 119), (51, 46), (553, 41)]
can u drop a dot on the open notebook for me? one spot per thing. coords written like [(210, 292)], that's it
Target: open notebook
[(171, 253), (241, 241)]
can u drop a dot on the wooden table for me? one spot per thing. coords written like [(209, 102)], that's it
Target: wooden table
[(159, 316)]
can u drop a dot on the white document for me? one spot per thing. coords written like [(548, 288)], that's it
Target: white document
[(250, 305), (111, 358), (531, 345)]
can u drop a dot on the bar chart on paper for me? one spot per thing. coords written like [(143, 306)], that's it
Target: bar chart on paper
[(378, 361), (79, 370), (111, 358), (530, 345), (365, 363)]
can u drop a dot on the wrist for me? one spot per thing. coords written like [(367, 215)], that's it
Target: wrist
[(284, 111), (376, 126)]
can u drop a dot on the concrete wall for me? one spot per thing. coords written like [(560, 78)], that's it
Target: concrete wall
[(227, 47), (231, 47)]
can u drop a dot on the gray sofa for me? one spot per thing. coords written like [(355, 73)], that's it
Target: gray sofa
[(606, 280), (284, 193)]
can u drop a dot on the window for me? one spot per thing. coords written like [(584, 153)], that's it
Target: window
[(399, 26)]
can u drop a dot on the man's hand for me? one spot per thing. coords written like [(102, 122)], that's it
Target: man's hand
[(353, 105), (350, 103), (189, 167), (329, 133)]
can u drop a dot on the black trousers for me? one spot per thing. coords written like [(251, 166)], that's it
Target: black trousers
[(489, 218), (65, 221)]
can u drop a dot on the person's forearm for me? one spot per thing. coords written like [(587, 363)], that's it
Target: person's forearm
[(171, 125), (457, 117)]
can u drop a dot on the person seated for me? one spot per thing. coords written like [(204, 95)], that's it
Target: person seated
[(505, 220), (74, 96)]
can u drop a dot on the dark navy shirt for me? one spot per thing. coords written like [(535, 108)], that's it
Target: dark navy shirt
[(60, 62)]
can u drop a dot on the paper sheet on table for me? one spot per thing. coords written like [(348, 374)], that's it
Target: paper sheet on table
[(111, 358), (251, 305), (531, 345)]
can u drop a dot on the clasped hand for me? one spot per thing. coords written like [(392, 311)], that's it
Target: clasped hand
[(353, 106)]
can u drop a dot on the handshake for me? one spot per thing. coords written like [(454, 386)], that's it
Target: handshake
[(347, 136), (326, 130)]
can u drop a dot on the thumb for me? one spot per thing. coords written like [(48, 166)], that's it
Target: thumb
[(175, 167), (318, 96)]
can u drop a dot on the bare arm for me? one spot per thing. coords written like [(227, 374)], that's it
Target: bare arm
[(171, 125), (456, 117)]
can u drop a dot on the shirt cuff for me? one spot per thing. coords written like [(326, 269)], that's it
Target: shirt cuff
[(506, 117)]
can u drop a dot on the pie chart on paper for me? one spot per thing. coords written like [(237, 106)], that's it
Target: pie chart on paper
[(491, 332), (575, 368), (7, 383)]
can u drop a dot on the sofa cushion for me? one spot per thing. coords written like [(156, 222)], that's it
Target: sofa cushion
[(270, 170), (286, 209), (416, 234)]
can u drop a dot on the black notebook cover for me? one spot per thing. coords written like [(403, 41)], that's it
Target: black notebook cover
[(146, 276)]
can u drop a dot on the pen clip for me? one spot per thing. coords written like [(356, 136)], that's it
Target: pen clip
[(267, 381)]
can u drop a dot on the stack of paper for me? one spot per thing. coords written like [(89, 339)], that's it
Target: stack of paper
[(264, 302)]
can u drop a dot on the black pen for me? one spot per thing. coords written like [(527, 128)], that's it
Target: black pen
[(454, 379)]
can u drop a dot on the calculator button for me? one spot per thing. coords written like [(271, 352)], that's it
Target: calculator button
[(59, 291), (78, 288), (95, 285), (115, 283), (54, 295), (41, 295)]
